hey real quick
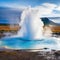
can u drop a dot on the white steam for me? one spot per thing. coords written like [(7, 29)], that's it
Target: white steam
[(58, 42), (47, 31), (31, 24)]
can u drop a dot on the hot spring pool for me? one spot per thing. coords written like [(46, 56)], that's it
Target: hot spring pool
[(19, 43)]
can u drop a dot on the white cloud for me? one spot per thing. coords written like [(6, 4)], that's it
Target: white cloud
[(13, 5), (49, 5), (47, 9), (58, 8)]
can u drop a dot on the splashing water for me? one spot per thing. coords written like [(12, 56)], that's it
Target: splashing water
[(31, 25)]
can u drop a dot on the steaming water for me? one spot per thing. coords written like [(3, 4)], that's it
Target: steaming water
[(31, 25), (30, 36), (28, 44)]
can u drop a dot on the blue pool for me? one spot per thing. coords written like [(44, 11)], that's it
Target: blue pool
[(19, 43)]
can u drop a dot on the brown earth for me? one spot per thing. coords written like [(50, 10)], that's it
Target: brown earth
[(25, 55)]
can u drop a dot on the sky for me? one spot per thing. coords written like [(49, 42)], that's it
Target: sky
[(29, 2), (46, 7), (51, 7)]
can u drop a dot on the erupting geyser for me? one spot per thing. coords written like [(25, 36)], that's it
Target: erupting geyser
[(31, 25)]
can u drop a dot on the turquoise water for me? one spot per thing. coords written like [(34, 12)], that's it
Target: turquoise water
[(19, 43)]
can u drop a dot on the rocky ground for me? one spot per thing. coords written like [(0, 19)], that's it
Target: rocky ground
[(26, 55)]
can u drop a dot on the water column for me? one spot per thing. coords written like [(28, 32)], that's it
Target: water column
[(31, 24)]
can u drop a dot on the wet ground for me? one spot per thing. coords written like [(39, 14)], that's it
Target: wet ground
[(26, 55)]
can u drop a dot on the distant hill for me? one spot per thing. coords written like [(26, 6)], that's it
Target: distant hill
[(55, 27), (47, 21)]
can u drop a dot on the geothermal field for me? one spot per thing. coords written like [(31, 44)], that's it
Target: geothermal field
[(30, 33)]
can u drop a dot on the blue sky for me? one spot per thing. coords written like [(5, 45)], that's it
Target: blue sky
[(47, 7), (29, 2)]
